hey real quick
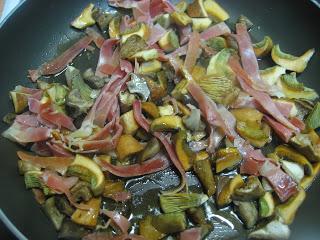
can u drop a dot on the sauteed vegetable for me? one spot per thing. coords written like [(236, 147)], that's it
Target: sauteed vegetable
[(174, 87)]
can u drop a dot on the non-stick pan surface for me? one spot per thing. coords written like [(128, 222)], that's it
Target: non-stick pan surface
[(32, 35)]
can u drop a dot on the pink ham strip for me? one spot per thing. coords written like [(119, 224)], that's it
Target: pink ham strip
[(126, 66), (155, 164), (58, 151), (28, 119), (109, 58), (248, 57), (210, 110), (168, 6), (244, 100), (282, 183), (103, 105), (298, 123), (104, 132), (103, 145), (215, 31), (184, 34), (59, 164), (284, 108), (125, 23), (141, 120), (104, 109), (172, 154), (191, 234), (47, 114), (116, 218), (58, 64), (62, 185), (102, 101), (282, 131), (178, 52), (255, 163), (41, 149), (192, 52), (157, 32), (58, 118), (141, 11), (97, 37), (158, 7), (262, 98), (250, 62), (20, 133)]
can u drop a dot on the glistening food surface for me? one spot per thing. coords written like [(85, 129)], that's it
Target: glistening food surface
[(211, 96)]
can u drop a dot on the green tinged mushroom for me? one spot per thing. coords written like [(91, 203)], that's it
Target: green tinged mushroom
[(57, 93), (132, 45), (81, 96), (147, 230), (290, 154), (63, 205), (167, 123), (197, 215), (170, 222), (93, 81), (217, 43), (272, 75), (293, 89), (290, 62), (33, 179), (274, 230), (170, 41), (25, 166), (9, 118), (308, 145), (248, 213), (81, 191), (287, 211), (164, 20), (227, 158), (266, 205), (294, 170), (53, 213), (151, 149), (89, 171), (264, 47), (252, 190), (246, 21), (203, 170), (102, 18), (181, 201), (193, 121), (84, 19), (313, 120), (20, 101)]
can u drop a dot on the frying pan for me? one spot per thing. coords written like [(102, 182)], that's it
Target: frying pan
[(32, 35)]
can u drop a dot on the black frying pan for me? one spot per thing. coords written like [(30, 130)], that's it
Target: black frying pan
[(31, 36)]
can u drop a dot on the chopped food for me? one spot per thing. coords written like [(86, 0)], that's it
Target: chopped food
[(174, 88)]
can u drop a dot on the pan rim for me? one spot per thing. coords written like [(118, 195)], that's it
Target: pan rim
[(11, 13), (11, 227)]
